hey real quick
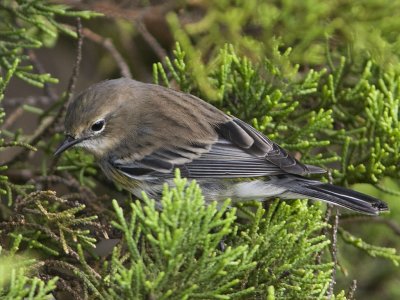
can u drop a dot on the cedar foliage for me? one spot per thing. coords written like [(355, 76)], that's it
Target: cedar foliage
[(337, 108)]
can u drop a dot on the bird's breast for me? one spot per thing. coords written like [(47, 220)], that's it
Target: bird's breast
[(134, 185), (118, 177)]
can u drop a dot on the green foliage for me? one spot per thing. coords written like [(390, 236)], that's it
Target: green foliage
[(306, 26), (22, 287), (54, 218), (29, 24), (389, 253), (288, 239), (81, 166), (336, 109), (176, 253), (173, 254), (26, 25), (14, 282)]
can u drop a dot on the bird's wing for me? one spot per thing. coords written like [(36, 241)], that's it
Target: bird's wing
[(239, 151)]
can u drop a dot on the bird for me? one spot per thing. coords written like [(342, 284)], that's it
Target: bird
[(140, 133)]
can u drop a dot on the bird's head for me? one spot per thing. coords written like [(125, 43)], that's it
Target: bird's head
[(97, 118)]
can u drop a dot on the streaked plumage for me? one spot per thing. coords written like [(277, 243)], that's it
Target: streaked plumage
[(140, 133)]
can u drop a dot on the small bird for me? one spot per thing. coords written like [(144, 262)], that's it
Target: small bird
[(139, 133)]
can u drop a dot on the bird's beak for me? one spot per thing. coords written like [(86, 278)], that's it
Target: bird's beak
[(68, 143)]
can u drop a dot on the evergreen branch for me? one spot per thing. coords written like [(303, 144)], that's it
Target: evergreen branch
[(374, 251)]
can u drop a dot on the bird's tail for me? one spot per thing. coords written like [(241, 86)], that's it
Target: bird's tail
[(299, 187)]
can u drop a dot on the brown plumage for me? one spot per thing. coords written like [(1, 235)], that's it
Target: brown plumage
[(140, 133)]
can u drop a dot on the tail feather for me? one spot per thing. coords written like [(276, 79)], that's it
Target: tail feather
[(337, 195)]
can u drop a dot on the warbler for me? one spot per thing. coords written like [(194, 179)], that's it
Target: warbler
[(140, 133)]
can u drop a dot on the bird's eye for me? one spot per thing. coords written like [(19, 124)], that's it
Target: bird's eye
[(98, 126)]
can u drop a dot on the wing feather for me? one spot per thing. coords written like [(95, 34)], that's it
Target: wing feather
[(240, 151)]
